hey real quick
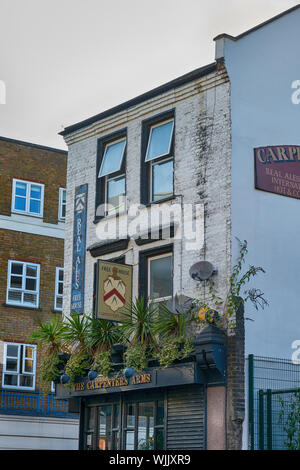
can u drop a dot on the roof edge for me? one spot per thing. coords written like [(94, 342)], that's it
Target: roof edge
[(260, 25), (29, 144), (190, 76)]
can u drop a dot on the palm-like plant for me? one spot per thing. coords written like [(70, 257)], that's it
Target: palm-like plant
[(138, 323), (77, 333), (103, 334), (50, 335)]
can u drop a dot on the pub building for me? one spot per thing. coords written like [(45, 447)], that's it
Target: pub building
[(148, 196)]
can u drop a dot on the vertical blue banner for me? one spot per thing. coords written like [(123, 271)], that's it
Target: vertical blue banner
[(79, 248)]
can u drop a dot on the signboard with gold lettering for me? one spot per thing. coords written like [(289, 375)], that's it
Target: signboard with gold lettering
[(114, 289), (277, 169)]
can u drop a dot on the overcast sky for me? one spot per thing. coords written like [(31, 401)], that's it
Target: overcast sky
[(63, 61)]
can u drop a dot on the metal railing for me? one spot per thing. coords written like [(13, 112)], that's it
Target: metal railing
[(36, 403), (272, 385)]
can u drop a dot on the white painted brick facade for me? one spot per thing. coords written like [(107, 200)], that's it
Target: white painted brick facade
[(202, 176)]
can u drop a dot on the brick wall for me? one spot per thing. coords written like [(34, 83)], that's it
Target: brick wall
[(46, 166)]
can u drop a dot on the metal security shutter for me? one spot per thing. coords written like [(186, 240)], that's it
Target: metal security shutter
[(186, 417)]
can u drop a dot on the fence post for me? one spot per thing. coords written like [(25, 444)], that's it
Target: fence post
[(251, 399), (261, 420), (269, 419)]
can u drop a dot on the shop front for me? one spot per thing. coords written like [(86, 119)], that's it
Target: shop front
[(178, 407)]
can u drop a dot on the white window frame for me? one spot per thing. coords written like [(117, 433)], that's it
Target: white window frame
[(121, 159), (61, 204), (107, 180), (150, 258), (19, 372), (27, 198), (152, 164), (23, 289), (57, 282), (149, 140)]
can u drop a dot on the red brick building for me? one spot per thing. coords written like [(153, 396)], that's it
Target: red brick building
[(32, 214)]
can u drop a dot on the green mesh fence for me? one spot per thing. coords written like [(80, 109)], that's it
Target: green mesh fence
[(274, 403)]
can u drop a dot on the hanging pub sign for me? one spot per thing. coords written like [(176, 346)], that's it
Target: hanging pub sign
[(114, 289), (79, 248), (277, 169)]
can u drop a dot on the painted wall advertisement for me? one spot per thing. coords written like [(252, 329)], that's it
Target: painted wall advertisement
[(114, 289), (277, 170), (79, 248)]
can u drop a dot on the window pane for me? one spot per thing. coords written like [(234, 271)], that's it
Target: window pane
[(160, 277), (31, 271), (17, 268), (160, 139), (26, 380), (30, 299), (12, 365), (129, 440), (104, 431), (21, 189), (30, 284), (12, 350), (63, 211), (116, 195), (61, 274), (63, 196), (35, 206), (130, 416), (112, 159), (15, 296), (20, 203), (16, 282), (162, 180), (146, 426), (60, 288), (35, 192), (10, 380), (59, 302), (28, 365), (29, 352)]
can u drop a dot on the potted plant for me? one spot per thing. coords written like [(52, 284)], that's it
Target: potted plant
[(138, 333), (172, 325), (103, 335), (50, 339), (76, 335)]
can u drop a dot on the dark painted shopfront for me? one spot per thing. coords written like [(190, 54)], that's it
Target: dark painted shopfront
[(179, 407)]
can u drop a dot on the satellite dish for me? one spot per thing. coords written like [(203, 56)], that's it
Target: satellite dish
[(202, 270)]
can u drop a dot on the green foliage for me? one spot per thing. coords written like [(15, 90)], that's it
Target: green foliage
[(49, 371), (136, 356), (50, 335), (174, 348), (138, 323), (77, 365), (176, 323), (77, 332), (291, 421), (102, 363), (103, 334), (235, 296)]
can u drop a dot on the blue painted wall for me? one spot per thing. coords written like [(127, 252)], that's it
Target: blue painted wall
[(262, 66)]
